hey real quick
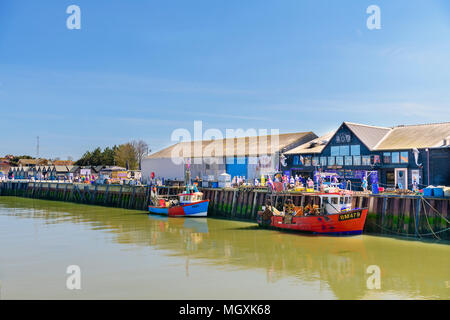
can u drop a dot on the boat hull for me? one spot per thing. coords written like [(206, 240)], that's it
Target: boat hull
[(195, 209), (340, 224)]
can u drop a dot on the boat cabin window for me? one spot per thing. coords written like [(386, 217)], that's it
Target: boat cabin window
[(341, 200), (334, 200)]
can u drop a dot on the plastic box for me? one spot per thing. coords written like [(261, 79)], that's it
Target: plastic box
[(428, 192), (438, 192)]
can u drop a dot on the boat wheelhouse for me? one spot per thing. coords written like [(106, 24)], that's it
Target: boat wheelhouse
[(187, 204)]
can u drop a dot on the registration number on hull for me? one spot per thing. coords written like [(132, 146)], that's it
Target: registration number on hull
[(350, 215)]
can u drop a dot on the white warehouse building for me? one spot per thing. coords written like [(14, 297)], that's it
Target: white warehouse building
[(245, 156)]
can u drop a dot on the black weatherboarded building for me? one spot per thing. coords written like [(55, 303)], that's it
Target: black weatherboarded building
[(390, 156)]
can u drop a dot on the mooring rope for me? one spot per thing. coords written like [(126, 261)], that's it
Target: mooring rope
[(428, 222), (434, 209)]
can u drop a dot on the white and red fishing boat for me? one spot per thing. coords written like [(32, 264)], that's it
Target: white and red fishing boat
[(333, 215)]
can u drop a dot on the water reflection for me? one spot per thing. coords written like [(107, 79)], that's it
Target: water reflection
[(409, 269)]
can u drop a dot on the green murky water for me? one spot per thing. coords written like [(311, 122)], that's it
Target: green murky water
[(126, 254)]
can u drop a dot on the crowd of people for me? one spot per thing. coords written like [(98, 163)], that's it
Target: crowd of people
[(285, 182)]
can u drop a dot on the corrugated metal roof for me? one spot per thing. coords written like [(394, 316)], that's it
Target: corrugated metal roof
[(245, 146), (369, 135), (313, 146), (61, 168), (415, 136)]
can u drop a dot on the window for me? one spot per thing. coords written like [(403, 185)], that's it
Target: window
[(348, 160), (404, 157), (356, 160), (395, 157), (344, 150), (376, 159), (295, 160), (323, 161), (307, 161), (366, 160), (340, 161), (355, 150), (334, 200), (315, 161), (331, 161), (387, 157), (335, 151)]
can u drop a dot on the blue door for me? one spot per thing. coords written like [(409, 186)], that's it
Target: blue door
[(237, 167)]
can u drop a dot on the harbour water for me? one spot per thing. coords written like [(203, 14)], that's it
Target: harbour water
[(126, 254)]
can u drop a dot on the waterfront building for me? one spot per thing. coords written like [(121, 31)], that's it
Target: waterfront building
[(390, 156), (32, 162), (5, 165), (59, 172), (248, 157)]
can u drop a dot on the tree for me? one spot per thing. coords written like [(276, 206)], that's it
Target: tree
[(85, 159), (96, 157), (108, 156), (141, 148), (126, 156)]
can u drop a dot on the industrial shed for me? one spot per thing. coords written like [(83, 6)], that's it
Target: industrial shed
[(244, 156)]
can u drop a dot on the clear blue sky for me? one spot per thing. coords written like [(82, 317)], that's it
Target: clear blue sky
[(140, 69)]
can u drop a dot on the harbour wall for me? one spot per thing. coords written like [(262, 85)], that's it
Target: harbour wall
[(390, 215)]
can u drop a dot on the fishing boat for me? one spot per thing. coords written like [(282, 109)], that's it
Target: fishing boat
[(187, 204), (182, 205), (333, 215)]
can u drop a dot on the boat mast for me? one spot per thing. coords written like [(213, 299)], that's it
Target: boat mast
[(187, 176)]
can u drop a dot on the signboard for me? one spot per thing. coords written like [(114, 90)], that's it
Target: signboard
[(85, 172), (119, 175)]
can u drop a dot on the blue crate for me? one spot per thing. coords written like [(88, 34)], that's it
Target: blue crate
[(428, 192), (438, 192)]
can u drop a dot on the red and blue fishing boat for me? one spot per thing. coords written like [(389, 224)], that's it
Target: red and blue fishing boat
[(187, 204), (332, 216)]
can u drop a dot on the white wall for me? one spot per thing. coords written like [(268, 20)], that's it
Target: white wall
[(163, 168)]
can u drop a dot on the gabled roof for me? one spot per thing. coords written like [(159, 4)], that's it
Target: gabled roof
[(98, 168), (243, 146), (61, 169), (313, 146), (416, 136), (74, 168), (113, 168), (369, 135)]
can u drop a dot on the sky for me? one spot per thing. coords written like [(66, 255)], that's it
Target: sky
[(141, 69)]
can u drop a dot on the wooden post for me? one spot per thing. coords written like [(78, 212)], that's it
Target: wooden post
[(419, 202), (254, 205), (215, 204), (233, 204), (383, 213)]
